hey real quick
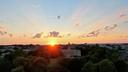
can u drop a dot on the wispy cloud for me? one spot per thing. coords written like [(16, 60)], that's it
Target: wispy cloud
[(54, 34), (78, 24), (108, 28), (106, 24), (122, 15), (123, 12), (11, 35), (78, 14), (97, 32), (38, 35), (2, 31), (24, 35), (94, 33)]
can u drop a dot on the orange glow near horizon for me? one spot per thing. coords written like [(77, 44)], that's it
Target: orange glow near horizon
[(52, 42), (53, 50), (52, 47)]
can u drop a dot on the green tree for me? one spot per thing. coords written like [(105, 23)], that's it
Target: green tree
[(31, 64), (18, 69), (75, 65), (58, 65), (106, 66), (121, 66), (89, 67)]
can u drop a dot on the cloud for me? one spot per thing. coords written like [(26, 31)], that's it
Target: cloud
[(11, 35), (122, 15), (68, 34), (77, 16), (58, 17), (91, 34), (5, 32), (105, 24), (24, 35), (38, 35), (2, 31), (97, 32), (54, 34), (78, 24), (108, 28)]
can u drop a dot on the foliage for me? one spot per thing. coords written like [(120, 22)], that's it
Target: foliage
[(106, 66), (94, 59), (89, 67)]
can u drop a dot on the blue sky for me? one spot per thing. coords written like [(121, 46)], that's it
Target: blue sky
[(77, 18)]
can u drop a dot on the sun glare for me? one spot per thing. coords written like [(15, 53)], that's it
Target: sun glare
[(52, 42)]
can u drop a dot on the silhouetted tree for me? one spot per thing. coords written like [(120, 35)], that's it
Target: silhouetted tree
[(89, 67), (106, 66)]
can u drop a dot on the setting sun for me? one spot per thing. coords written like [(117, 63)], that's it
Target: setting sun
[(52, 42)]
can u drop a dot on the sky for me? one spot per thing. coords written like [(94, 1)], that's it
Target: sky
[(63, 21)]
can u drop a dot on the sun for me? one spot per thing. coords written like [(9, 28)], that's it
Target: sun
[(52, 42)]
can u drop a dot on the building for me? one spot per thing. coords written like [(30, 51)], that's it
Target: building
[(70, 51)]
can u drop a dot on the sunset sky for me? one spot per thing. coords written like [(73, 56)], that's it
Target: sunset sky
[(63, 21)]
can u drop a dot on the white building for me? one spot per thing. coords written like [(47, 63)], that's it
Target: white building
[(71, 52)]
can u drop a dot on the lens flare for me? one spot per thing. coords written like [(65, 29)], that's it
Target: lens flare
[(53, 49), (52, 42)]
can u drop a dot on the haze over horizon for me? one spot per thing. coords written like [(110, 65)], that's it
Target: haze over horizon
[(63, 21)]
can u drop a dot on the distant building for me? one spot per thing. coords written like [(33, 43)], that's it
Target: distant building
[(122, 49), (70, 51)]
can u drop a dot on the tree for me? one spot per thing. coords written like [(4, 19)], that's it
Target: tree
[(31, 64), (121, 66), (75, 65), (106, 66), (18, 69), (58, 65), (89, 67)]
